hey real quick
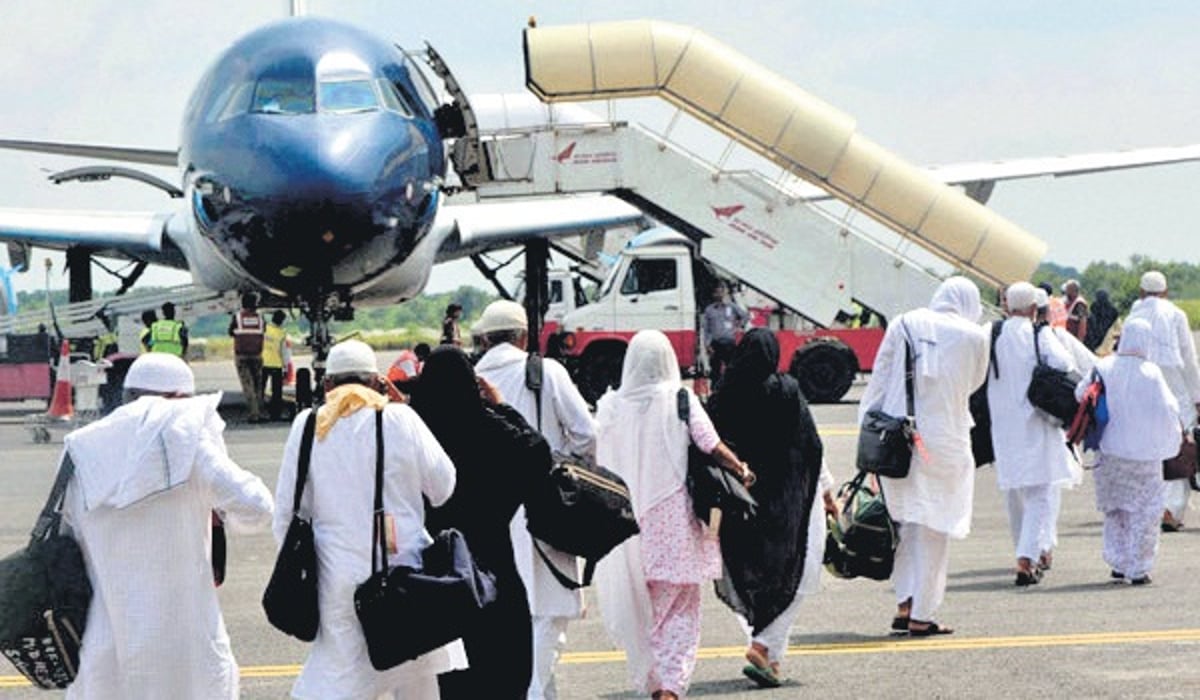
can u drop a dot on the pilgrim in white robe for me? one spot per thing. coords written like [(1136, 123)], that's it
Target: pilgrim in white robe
[(569, 429), (1032, 458), (1142, 426), (1173, 349), (147, 478), (936, 497), (339, 498)]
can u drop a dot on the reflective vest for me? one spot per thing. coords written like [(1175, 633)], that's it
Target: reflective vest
[(144, 339), (248, 330), (166, 336), (272, 352), (104, 342)]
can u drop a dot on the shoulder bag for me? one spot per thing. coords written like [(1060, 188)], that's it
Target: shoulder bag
[(981, 433), (1051, 390), (406, 612), (1182, 465), (290, 599), (1087, 427), (580, 508), (44, 597), (712, 487), (885, 441)]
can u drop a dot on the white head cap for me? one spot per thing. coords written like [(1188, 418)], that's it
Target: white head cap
[(1042, 299), (1021, 296), (351, 357), (1154, 282), (501, 315), (162, 373)]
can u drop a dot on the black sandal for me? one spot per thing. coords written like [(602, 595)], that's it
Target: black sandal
[(900, 624), (931, 629)]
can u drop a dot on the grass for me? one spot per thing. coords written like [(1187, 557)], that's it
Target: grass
[(1191, 307)]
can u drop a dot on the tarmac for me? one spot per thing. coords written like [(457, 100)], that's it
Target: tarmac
[(1075, 635)]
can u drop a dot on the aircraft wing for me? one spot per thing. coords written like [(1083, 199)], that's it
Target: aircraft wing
[(83, 150), (979, 178), (130, 235), (477, 228)]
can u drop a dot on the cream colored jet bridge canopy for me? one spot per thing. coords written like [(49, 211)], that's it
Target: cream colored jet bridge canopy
[(782, 123)]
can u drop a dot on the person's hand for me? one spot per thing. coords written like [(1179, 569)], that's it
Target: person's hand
[(830, 504), (748, 478), (488, 391), (389, 390)]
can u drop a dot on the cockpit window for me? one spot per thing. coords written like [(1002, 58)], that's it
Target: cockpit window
[(347, 96), (235, 101), (283, 96), (425, 92), (391, 97)]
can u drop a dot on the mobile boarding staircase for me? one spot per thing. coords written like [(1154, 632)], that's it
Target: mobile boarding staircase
[(760, 230)]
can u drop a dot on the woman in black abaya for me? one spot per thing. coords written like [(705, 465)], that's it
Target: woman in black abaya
[(763, 415), (499, 460)]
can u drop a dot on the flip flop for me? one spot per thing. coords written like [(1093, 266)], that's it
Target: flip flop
[(763, 677), (932, 630)]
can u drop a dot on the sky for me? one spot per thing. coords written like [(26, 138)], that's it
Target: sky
[(935, 82)]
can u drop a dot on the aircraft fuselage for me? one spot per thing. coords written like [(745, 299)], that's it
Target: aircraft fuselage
[(310, 159)]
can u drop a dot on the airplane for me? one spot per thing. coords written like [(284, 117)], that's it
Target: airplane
[(313, 168)]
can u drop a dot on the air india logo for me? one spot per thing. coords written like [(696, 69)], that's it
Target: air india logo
[(726, 212), (729, 216), (571, 156), (565, 154)]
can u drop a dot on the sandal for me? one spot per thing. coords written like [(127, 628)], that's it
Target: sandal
[(762, 677), (900, 623), (1028, 578), (930, 629)]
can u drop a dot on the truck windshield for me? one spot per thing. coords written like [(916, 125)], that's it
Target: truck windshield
[(606, 285)]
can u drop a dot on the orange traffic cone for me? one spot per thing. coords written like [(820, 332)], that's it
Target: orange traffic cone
[(60, 402)]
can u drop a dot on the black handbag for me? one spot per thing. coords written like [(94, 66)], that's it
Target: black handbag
[(1051, 390), (712, 487), (44, 597), (982, 449), (406, 612), (885, 441), (290, 599), (580, 508)]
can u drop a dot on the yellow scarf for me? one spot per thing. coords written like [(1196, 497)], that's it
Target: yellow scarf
[(343, 401)]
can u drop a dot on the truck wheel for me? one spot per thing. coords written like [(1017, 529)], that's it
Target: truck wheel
[(598, 370), (825, 368)]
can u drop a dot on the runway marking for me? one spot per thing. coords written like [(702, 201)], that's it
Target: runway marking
[(889, 645)]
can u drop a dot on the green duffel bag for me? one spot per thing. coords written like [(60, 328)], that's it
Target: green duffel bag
[(862, 540)]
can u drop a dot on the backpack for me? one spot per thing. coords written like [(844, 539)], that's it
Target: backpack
[(981, 433), (862, 540)]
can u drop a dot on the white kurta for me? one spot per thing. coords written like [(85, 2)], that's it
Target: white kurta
[(148, 477), (569, 429), (339, 497), (940, 487), (1030, 450), (1172, 346)]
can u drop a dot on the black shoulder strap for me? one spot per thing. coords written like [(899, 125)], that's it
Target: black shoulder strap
[(589, 569), (683, 405), (909, 394), (51, 516), (306, 443), (379, 529), (1037, 350), (533, 382), (997, 326)]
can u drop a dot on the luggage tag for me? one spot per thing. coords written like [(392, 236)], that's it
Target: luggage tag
[(391, 538)]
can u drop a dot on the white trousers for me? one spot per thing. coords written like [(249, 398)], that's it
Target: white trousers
[(775, 635), (424, 688), (922, 561), (549, 639), (1176, 494), (1031, 515), (1056, 492)]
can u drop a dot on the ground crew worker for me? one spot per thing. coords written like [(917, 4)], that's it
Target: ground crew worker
[(169, 335), (274, 338), (248, 329), (106, 342), (149, 317)]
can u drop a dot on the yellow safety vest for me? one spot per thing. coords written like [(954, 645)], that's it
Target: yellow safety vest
[(144, 339), (272, 352), (165, 337)]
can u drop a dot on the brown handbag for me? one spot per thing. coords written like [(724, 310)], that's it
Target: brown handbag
[(1182, 465)]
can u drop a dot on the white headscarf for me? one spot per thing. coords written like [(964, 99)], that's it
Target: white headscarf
[(1136, 338), (1143, 413), (639, 433), (956, 295)]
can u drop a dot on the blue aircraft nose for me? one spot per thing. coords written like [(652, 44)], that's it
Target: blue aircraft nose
[(319, 199)]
